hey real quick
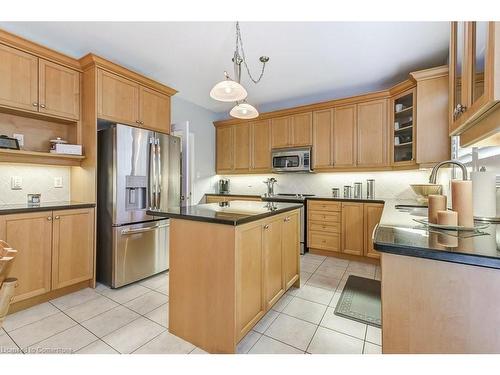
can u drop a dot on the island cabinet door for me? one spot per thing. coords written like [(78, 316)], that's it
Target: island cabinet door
[(273, 261), (291, 251), (249, 279)]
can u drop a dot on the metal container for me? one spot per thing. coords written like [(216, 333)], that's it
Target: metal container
[(224, 186), (358, 190), (370, 189), (335, 192), (347, 191)]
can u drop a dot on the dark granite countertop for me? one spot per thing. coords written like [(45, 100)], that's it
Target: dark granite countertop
[(399, 234), (229, 213), (278, 198), (44, 206), (233, 195)]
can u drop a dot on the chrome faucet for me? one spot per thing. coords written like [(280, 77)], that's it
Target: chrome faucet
[(433, 176), (270, 186)]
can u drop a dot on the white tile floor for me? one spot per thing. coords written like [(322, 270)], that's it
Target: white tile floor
[(134, 319)]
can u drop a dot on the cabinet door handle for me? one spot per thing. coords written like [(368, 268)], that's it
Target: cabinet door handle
[(57, 218), (142, 122), (49, 218), (137, 121), (42, 105), (35, 104), (286, 219), (266, 226)]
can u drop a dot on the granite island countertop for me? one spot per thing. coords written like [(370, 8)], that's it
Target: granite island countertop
[(6, 209), (229, 213), (398, 233)]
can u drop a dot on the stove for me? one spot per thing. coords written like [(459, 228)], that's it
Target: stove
[(293, 198)]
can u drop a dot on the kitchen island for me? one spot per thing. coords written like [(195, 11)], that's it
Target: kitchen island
[(230, 262), (440, 289)]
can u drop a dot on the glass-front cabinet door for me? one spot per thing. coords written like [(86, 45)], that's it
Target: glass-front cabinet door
[(457, 70)]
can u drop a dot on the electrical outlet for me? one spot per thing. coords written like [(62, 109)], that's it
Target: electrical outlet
[(20, 139), (58, 182), (16, 183)]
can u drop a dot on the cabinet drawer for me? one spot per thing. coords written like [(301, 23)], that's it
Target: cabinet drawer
[(324, 205), (329, 227), (322, 216), (325, 241)]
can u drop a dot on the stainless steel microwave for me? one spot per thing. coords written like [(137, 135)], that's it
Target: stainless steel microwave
[(291, 160)]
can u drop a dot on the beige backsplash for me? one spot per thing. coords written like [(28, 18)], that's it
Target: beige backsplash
[(35, 179), (393, 184)]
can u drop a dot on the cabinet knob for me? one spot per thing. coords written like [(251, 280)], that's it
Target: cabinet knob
[(42, 105), (142, 122), (137, 121), (35, 104), (266, 226), (49, 218), (57, 218), (286, 219)]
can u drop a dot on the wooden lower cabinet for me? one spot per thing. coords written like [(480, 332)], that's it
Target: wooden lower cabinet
[(353, 228), (291, 249), (31, 235), (250, 305), (272, 240), (222, 286), (342, 227), (72, 247), (55, 249)]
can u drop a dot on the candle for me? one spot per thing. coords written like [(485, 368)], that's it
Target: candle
[(461, 193), (447, 218), (436, 203)]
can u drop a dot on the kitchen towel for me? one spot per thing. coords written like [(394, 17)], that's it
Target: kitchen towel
[(484, 194)]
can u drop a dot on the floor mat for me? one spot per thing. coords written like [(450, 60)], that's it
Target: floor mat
[(360, 301)]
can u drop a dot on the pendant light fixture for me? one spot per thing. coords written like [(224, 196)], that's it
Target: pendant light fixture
[(231, 90), (244, 111)]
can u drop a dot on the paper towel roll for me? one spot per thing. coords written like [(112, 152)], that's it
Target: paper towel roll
[(484, 194)]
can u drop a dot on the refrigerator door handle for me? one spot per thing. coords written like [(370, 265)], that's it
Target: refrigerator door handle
[(158, 180), (152, 174)]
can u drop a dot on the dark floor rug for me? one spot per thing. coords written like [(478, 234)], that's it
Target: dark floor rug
[(360, 301)]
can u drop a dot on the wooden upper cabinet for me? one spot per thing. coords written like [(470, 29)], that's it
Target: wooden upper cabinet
[(73, 246), (241, 147), (353, 228), (281, 132), (322, 139), (117, 98), (273, 261), (372, 215), (261, 146), (59, 90), (18, 79), (224, 149), (154, 110), (344, 136), (30, 234), (372, 138), (301, 130)]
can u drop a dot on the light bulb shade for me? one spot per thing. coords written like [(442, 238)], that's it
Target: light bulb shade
[(228, 91), (244, 111)]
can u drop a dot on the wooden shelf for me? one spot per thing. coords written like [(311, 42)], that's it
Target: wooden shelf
[(36, 157), (407, 109), (404, 144), (402, 129)]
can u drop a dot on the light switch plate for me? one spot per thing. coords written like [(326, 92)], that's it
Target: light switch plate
[(58, 182), (20, 139), (16, 183)]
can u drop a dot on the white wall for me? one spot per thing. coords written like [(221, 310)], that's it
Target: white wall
[(35, 179), (200, 122)]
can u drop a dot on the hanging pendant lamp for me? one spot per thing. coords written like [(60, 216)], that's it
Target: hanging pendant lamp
[(228, 91), (244, 111)]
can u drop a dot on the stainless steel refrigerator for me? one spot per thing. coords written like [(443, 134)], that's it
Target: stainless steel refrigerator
[(138, 170)]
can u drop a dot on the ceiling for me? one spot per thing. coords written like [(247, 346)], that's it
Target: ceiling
[(309, 61)]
